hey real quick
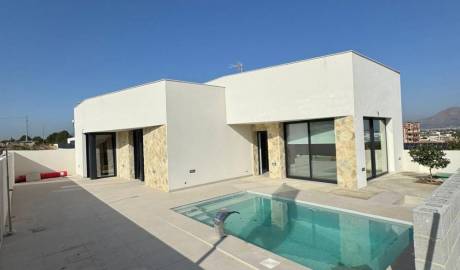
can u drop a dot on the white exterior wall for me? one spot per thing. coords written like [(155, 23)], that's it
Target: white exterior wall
[(309, 89), (207, 125), (199, 138), (377, 93), (337, 85), (137, 107)]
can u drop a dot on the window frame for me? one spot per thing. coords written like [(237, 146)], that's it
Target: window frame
[(285, 124), (371, 131), (92, 152)]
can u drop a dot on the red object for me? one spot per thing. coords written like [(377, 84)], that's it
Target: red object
[(22, 178), (53, 174)]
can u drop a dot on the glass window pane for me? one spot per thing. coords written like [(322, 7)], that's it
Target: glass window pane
[(322, 132), (380, 144), (367, 147), (323, 150), (297, 156), (105, 164)]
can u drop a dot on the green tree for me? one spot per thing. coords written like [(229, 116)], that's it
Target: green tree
[(23, 138), (37, 139), (429, 156), (58, 137), (454, 144)]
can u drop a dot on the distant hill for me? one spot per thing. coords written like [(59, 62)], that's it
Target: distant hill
[(448, 118)]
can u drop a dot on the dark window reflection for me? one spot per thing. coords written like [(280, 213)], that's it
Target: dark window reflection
[(310, 150)]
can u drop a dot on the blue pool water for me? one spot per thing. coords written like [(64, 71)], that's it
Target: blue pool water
[(315, 237)]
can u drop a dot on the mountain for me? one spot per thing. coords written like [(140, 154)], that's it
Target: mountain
[(448, 118)]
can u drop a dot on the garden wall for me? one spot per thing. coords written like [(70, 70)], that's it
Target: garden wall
[(3, 192), (38, 161), (452, 155), (437, 228)]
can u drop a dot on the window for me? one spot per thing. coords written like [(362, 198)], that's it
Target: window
[(323, 150), (297, 150), (375, 146), (310, 150), (100, 153)]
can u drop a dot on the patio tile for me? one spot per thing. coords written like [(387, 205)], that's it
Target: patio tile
[(121, 224)]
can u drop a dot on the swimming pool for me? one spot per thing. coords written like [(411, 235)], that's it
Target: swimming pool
[(316, 237)]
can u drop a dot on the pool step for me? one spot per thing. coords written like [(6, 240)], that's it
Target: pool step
[(203, 218), (226, 202), (195, 213), (203, 211)]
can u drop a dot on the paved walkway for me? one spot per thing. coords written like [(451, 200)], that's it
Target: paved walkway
[(113, 223), (60, 225)]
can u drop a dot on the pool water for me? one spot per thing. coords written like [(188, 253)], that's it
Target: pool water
[(315, 237)]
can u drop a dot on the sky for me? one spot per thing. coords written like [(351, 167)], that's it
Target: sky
[(55, 53)]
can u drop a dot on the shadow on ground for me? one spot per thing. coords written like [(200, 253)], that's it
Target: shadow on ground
[(59, 225)]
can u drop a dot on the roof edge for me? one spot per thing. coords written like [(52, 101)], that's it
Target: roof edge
[(306, 60), (375, 61), (144, 84)]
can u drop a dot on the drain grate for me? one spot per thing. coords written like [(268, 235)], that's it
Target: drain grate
[(270, 263)]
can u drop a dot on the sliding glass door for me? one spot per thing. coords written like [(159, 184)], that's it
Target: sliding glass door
[(375, 146), (368, 147), (310, 150), (322, 147), (297, 150), (100, 154), (138, 145)]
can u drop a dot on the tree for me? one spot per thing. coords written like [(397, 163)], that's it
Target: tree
[(23, 138), (454, 144), (37, 139), (429, 156), (58, 137)]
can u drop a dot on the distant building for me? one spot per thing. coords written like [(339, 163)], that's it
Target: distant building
[(411, 132), (437, 136)]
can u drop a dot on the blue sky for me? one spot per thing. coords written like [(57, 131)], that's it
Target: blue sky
[(55, 53)]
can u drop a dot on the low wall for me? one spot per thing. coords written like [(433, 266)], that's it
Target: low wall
[(44, 161), (3, 192), (452, 155), (437, 228)]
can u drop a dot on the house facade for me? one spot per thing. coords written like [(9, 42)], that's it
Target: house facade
[(335, 119)]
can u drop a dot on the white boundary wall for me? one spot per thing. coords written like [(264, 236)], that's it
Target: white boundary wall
[(452, 155), (4, 190), (39, 161)]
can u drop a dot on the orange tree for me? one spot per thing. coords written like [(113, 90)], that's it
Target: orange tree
[(430, 156)]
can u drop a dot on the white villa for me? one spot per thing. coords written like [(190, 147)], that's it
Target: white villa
[(335, 118)]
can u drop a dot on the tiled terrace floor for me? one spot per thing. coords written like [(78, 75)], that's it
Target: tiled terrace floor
[(113, 223)]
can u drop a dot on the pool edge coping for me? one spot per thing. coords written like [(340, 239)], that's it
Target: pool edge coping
[(339, 209)]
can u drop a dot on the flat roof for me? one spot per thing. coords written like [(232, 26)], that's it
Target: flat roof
[(143, 84), (309, 59), (244, 72)]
